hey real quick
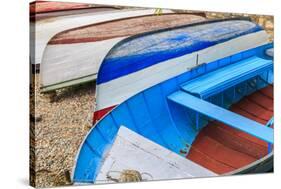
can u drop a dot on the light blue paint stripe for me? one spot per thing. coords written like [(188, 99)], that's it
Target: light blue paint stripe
[(226, 77)]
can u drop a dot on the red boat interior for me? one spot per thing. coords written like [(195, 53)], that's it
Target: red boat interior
[(222, 149)]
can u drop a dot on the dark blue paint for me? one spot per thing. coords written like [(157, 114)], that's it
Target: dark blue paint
[(161, 46)]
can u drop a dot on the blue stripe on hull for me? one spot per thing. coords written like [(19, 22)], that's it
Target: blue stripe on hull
[(138, 53)]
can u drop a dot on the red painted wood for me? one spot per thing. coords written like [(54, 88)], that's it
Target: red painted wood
[(262, 100), (248, 115), (50, 6), (220, 152), (268, 91), (100, 113), (222, 149), (208, 162), (123, 27), (236, 142), (254, 109), (242, 134)]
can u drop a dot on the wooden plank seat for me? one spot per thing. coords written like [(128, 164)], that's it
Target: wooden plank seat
[(226, 77), (222, 115)]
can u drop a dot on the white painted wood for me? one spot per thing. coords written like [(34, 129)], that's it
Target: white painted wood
[(66, 62), (45, 29), (129, 85), (134, 152)]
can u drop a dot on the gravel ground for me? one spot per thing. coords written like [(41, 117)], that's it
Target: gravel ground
[(61, 125), (60, 128), (265, 21)]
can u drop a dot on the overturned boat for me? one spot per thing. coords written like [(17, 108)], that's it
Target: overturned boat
[(50, 9), (74, 56), (48, 18), (42, 30), (192, 101)]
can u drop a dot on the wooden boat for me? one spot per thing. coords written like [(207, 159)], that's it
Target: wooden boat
[(43, 30), (74, 56), (201, 93), (126, 85), (43, 18), (48, 9), (40, 6)]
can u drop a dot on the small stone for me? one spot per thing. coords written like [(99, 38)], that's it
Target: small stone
[(269, 25), (261, 21)]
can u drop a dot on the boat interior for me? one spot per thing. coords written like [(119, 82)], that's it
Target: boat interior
[(218, 115)]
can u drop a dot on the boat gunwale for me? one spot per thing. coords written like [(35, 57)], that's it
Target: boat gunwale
[(249, 166)]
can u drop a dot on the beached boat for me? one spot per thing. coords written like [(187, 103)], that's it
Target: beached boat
[(49, 9), (41, 6), (48, 18), (193, 101), (192, 45), (74, 56), (42, 31)]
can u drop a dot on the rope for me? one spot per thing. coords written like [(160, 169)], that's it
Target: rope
[(128, 176)]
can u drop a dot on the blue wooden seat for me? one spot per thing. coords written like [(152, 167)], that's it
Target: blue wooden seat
[(227, 77), (225, 116)]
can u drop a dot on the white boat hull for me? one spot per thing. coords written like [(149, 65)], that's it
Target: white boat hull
[(45, 29)]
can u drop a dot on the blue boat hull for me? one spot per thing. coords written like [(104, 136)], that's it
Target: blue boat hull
[(139, 62), (149, 114)]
